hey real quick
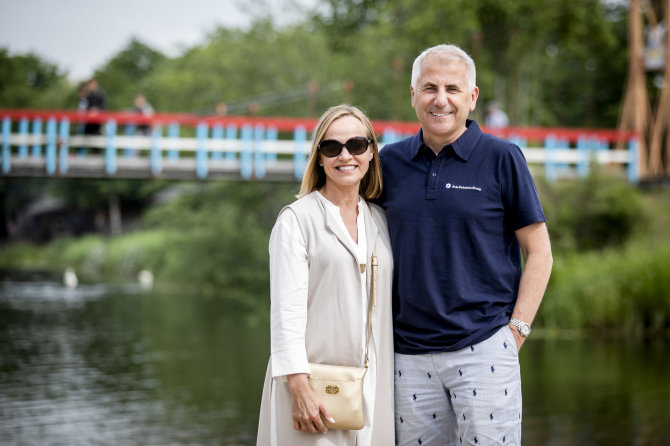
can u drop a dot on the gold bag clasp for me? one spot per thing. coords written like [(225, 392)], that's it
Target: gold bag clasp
[(332, 390)]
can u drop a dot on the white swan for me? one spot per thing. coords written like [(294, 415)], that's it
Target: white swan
[(70, 279), (146, 278)]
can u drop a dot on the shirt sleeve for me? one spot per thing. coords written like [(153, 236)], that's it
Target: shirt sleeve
[(519, 194), (289, 279)]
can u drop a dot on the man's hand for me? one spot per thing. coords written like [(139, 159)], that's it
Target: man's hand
[(517, 337)]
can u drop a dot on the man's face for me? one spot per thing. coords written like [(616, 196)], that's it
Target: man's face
[(442, 100)]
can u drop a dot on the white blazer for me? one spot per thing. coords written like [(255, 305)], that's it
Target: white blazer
[(333, 334)]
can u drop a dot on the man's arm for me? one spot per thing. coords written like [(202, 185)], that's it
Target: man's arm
[(536, 250)]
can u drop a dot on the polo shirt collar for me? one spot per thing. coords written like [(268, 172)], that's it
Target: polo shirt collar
[(463, 146)]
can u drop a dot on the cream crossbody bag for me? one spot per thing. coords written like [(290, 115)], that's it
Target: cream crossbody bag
[(340, 388)]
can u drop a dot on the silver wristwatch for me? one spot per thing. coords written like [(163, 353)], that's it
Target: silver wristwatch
[(523, 327)]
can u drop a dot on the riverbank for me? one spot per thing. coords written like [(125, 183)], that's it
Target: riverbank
[(221, 250)]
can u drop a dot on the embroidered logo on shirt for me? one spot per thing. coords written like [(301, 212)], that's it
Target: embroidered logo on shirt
[(455, 186)]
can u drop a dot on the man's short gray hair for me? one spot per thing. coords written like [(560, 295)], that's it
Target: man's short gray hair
[(446, 52)]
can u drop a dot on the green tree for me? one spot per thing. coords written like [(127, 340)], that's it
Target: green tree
[(550, 62), (220, 237), (27, 81), (126, 73), (272, 67)]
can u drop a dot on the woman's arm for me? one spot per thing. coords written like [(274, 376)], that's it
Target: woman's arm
[(289, 279)]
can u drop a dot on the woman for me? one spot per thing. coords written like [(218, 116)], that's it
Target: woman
[(320, 250)]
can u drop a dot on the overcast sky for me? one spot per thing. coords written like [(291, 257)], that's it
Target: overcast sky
[(80, 36)]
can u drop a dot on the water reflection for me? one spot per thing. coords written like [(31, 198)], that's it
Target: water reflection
[(104, 364), (604, 392), (115, 365)]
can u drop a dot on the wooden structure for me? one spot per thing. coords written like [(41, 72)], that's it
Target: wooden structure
[(652, 125)]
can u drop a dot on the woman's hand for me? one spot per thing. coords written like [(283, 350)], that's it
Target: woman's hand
[(306, 406)]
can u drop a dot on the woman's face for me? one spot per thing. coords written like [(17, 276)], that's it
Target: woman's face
[(345, 169)]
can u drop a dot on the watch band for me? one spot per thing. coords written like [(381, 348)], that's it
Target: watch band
[(523, 327)]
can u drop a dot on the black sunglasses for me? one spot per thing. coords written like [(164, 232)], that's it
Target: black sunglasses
[(332, 148)]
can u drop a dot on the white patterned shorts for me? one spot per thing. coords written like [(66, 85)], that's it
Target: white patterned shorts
[(467, 397)]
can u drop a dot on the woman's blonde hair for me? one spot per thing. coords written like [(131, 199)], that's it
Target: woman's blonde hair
[(315, 177)]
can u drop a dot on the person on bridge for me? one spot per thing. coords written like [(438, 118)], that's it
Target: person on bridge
[(96, 101), (462, 208), (320, 255), (496, 118), (142, 107)]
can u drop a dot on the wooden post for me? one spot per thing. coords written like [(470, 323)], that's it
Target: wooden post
[(636, 110), (660, 123), (666, 84)]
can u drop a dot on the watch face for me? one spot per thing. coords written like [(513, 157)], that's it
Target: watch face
[(524, 329)]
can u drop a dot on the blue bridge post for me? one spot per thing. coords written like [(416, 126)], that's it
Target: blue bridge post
[(173, 134), (300, 139), (37, 133), (246, 157), (217, 135), (23, 132), (201, 150), (129, 130), (51, 146), (110, 147), (6, 152), (549, 162), (259, 156), (562, 143), (584, 156), (64, 145), (156, 156), (271, 138), (603, 145), (520, 141), (231, 135), (389, 136)]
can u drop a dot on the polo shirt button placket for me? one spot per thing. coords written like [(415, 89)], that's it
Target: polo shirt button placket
[(431, 184)]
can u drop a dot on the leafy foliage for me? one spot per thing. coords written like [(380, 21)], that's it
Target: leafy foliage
[(93, 194), (613, 290), (594, 213), (126, 73), (219, 236), (549, 62), (28, 81)]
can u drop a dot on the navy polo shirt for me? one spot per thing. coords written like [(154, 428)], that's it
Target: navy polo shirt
[(452, 217)]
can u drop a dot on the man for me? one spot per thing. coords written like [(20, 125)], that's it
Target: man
[(96, 102), (462, 208)]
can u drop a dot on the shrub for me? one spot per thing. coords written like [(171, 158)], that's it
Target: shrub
[(613, 290), (591, 213)]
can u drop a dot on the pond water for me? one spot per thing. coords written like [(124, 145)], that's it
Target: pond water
[(113, 364)]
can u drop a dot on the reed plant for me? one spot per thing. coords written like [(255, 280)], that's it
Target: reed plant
[(613, 290)]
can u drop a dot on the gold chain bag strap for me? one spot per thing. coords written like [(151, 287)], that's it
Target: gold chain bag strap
[(340, 388)]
